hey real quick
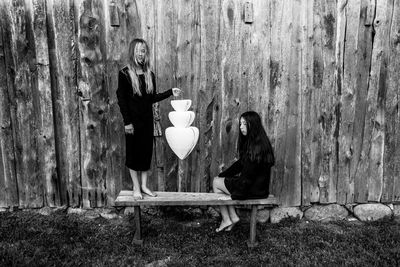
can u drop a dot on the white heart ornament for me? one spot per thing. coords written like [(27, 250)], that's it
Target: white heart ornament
[(181, 119), (181, 104), (182, 140)]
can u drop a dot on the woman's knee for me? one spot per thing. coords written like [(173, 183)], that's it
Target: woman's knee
[(216, 182)]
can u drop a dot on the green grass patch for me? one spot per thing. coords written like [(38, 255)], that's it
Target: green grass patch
[(176, 239)]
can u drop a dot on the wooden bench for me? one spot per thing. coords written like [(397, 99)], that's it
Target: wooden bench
[(125, 199)]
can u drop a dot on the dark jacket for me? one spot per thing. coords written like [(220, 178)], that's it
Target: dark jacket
[(137, 110), (247, 179)]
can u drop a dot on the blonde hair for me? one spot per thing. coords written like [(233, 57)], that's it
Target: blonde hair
[(134, 65)]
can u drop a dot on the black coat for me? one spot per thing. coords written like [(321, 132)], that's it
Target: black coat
[(138, 111), (247, 179)]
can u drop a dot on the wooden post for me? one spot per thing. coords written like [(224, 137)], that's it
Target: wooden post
[(181, 168), (137, 238), (253, 228)]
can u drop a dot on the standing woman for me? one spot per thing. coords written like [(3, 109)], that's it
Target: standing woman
[(248, 177), (136, 94)]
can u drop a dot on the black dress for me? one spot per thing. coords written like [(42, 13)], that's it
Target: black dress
[(247, 180), (138, 111)]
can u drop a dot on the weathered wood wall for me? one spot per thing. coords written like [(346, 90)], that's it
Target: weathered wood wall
[(323, 75)]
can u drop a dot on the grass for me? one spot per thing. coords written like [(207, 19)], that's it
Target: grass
[(178, 239)]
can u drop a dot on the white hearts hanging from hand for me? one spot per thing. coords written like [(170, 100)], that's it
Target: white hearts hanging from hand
[(182, 140)]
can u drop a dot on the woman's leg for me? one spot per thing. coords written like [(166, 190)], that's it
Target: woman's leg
[(144, 185), (233, 216), (219, 187), (136, 187)]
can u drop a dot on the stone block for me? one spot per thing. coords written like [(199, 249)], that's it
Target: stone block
[(263, 215), (129, 211), (75, 211), (372, 212), (280, 213), (396, 210), (326, 213)]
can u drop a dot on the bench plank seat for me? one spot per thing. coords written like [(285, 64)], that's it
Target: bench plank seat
[(125, 199)]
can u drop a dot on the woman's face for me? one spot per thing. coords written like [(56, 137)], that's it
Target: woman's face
[(140, 53), (243, 126)]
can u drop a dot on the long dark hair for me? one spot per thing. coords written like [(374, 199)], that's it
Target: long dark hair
[(255, 145), (134, 65)]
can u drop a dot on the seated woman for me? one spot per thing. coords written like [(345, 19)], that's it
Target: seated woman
[(249, 177)]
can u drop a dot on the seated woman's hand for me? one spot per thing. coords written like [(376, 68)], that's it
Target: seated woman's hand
[(176, 91), (129, 129)]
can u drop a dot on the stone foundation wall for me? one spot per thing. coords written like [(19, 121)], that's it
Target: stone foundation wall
[(321, 213)]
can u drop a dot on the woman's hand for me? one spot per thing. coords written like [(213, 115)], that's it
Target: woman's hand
[(176, 91), (129, 129)]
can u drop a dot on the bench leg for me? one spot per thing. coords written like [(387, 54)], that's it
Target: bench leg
[(137, 238), (253, 228)]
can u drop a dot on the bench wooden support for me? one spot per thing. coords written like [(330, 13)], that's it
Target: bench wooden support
[(137, 238), (252, 242), (125, 199)]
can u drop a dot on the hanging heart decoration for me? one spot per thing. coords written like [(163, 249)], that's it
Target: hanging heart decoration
[(182, 138)]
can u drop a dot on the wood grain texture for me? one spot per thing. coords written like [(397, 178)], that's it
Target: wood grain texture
[(8, 179), (233, 96), (364, 51), (24, 94), (44, 105), (63, 56), (327, 102), (209, 108), (93, 104), (166, 66), (115, 40), (351, 14), (391, 171), (277, 90), (310, 45), (370, 170), (125, 198)]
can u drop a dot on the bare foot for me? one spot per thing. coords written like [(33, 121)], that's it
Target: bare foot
[(223, 226), (137, 195), (148, 192), (234, 221)]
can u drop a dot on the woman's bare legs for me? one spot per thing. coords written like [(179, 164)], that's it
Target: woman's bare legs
[(228, 213), (146, 190), (136, 186), (234, 217)]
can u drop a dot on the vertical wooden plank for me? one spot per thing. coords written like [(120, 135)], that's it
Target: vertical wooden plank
[(46, 139), (310, 133), (234, 98), (166, 64), (63, 56), (345, 192), (115, 45), (391, 171), (93, 104), (22, 90), (369, 175), (291, 180), (293, 150), (146, 12), (364, 50), (277, 92), (326, 101), (187, 75), (8, 179), (209, 94), (256, 50)]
